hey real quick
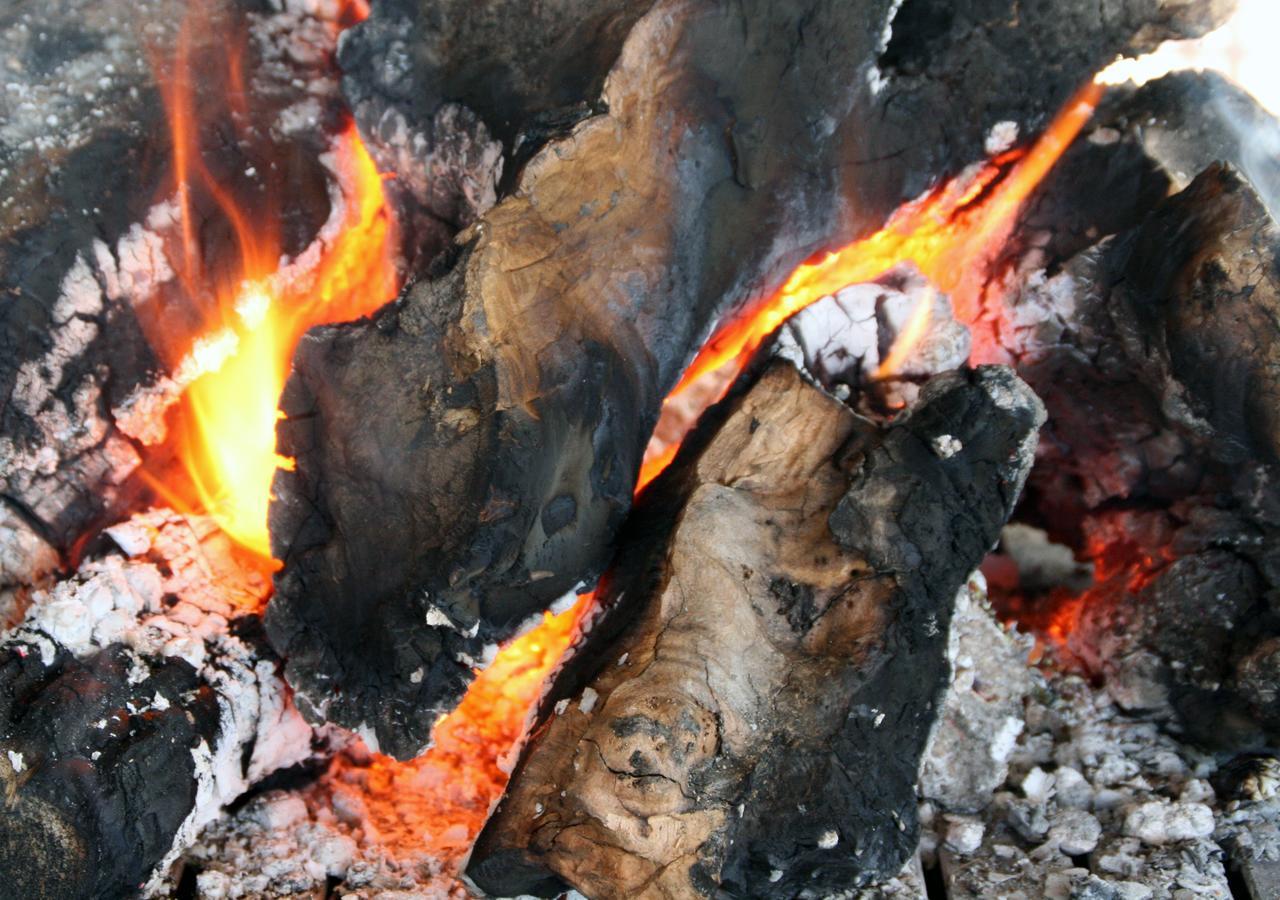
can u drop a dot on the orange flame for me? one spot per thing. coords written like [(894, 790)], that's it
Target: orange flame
[(948, 234), (228, 447)]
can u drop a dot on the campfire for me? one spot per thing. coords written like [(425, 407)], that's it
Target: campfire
[(664, 449)]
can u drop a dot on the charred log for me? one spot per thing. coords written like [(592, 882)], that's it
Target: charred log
[(509, 404), (783, 600), (1201, 279), (137, 699), (1155, 354)]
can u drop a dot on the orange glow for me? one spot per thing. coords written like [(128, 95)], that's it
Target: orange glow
[(949, 234), (430, 809), (228, 443), (910, 336)]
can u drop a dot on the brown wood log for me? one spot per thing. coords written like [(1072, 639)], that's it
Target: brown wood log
[(468, 457), (137, 698), (781, 607)]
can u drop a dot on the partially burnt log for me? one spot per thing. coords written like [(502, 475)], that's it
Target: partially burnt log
[(1155, 352), (468, 457), (137, 699), (781, 608)]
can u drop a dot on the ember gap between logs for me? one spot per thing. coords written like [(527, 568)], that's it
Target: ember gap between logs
[(808, 448)]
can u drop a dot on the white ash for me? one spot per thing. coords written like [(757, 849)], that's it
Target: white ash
[(844, 338), (122, 600), (1095, 802), (1001, 137), (968, 756), (26, 562)]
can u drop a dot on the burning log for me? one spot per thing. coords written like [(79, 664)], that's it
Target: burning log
[(466, 459), (1155, 354), (137, 699), (750, 714)]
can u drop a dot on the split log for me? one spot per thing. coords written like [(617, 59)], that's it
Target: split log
[(468, 457), (137, 699), (781, 607)]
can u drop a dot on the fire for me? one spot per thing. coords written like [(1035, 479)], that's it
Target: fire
[(948, 234), (438, 802), (228, 441)]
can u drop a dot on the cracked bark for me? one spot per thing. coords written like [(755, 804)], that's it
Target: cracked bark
[(748, 718), (468, 457)]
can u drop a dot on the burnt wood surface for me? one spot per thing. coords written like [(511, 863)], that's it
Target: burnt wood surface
[(748, 719), (468, 457)]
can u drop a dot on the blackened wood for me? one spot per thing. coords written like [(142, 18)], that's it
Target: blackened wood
[(1155, 352), (508, 62), (468, 458), (137, 698), (755, 729), (1201, 279)]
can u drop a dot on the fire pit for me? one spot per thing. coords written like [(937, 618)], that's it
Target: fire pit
[(656, 448)]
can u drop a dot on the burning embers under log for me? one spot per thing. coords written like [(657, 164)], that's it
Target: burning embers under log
[(829, 215)]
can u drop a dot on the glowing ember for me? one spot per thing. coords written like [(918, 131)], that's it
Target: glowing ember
[(228, 447)]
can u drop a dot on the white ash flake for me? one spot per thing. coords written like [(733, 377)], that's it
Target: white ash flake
[(945, 446), (1001, 137), (437, 619), (588, 701), (16, 761), (828, 839)]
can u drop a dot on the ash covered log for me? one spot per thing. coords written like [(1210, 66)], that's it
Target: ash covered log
[(467, 458), (137, 698), (781, 606)]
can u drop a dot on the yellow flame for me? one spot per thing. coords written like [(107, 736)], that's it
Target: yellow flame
[(236, 372)]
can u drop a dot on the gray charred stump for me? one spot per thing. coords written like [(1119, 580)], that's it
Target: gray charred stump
[(137, 698), (467, 458), (749, 717)]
